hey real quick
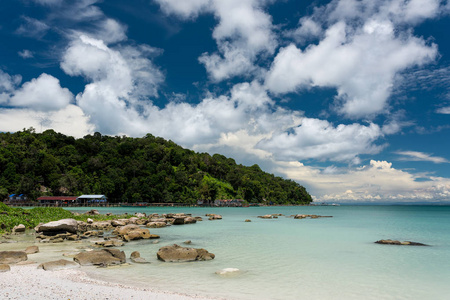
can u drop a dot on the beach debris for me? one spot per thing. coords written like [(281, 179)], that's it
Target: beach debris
[(136, 258), (19, 228), (228, 271), (401, 243), (64, 225), (176, 253), (104, 257), (4, 268), (58, 265), (12, 257), (32, 249)]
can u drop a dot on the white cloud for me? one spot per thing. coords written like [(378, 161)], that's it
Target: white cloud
[(444, 110), (420, 156), (8, 84), (244, 34), (42, 93), (69, 120), (319, 139), (376, 182), (110, 31), (26, 54), (361, 51)]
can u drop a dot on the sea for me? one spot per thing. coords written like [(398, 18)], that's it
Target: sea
[(287, 258)]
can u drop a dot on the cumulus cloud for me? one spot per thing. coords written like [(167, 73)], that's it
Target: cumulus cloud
[(420, 156), (319, 139), (444, 110), (378, 181), (244, 34), (69, 120), (8, 84), (359, 53)]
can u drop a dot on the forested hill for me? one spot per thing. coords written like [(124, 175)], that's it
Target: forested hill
[(126, 169)]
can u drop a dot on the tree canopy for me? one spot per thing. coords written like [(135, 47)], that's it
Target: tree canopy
[(126, 169)]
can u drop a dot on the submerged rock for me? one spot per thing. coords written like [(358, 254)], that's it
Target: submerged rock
[(136, 258), (176, 253), (228, 271)]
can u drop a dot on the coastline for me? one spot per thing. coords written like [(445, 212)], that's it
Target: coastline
[(29, 282)]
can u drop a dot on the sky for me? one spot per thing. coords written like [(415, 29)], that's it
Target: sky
[(350, 98)]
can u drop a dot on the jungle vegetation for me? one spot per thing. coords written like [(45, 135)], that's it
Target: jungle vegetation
[(148, 169)]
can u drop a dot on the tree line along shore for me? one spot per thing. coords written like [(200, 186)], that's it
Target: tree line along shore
[(148, 169)]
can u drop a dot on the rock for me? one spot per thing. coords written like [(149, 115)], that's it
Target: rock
[(188, 242), (92, 233), (58, 265), (136, 258), (404, 243), (4, 268), (248, 220), (12, 257), (154, 236), (104, 257), (140, 215), (109, 214), (133, 232), (265, 217), (155, 242), (93, 212), (156, 224), (19, 228), (141, 221), (178, 221), (214, 217), (68, 225), (176, 253), (89, 221), (310, 216), (190, 220), (32, 250), (199, 219), (57, 240), (110, 243), (116, 223), (228, 271)]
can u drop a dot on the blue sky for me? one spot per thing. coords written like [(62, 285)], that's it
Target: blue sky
[(349, 98)]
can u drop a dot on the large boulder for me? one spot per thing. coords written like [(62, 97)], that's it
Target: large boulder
[(68, 225), (176, 253), (58, 265), (104, 257), (132, 232), (12, 257)]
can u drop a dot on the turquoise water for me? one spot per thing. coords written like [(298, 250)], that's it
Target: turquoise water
[(285, 258)]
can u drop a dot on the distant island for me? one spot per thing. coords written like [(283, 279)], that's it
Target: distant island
[(148, 169)]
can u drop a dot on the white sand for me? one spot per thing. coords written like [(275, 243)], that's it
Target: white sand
[(28, 282)]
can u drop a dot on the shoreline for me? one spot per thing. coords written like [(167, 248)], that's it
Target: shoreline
[(29, 282)]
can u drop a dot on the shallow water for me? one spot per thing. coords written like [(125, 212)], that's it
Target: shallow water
[(285, 258)]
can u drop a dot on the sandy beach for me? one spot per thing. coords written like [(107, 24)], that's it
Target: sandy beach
[(29, 282)]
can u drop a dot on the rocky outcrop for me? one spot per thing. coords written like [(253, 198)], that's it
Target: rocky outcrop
[(265, 217), (133, 232), (64, 225), (401, 243), (176, 253), (104, 257), (214, 217), (4, 268), (58, 265), (12, 257), (32, 250), (110, 243), (156, 224), (93, 212)]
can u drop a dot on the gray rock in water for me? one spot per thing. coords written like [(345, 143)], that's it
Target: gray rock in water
[(176, 253), (401, 243), (58, 265), (69, 225), (12, 257)]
